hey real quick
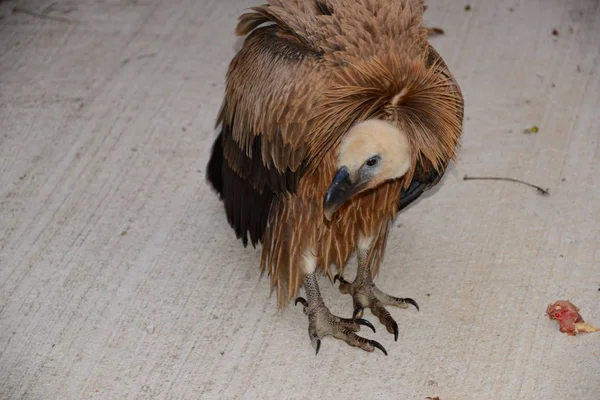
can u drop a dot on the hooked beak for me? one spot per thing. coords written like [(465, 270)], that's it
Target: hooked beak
[(340, 190)]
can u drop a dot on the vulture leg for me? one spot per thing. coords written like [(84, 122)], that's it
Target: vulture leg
[(322, 323), (366, 295)]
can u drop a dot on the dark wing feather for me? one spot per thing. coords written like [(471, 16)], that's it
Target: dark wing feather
[(260, 154), (426, 176), (423, 180)]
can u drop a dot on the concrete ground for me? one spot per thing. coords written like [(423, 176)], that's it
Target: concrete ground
[(120, 279)]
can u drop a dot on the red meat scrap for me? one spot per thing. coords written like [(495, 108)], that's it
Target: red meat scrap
[(569, 319)]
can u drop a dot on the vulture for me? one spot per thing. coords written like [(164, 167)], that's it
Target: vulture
[(337, 114)]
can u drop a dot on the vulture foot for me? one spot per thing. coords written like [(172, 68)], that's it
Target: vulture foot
[(366, 295), (322, 323)]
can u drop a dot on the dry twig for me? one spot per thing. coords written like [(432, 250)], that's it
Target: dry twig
[(542, 191)]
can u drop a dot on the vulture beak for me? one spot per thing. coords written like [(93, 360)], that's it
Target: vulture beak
[(341, 189)]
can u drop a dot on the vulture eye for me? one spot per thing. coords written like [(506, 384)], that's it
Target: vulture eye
[(373, 161)]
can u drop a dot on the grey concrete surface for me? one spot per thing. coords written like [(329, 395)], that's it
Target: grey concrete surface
[(120, 279)]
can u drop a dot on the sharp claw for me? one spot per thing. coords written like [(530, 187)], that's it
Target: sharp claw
[(301, 300), (395, 329), (364, 322), (340, 278), (319, 346), (411, 301), (376, 344), (357, 311)]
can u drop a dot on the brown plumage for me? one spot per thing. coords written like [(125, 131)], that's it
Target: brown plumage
[(296, 94)]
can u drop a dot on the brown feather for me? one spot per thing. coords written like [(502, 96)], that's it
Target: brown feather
[(299, 85)]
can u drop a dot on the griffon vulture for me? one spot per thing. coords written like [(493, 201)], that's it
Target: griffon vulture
[(337, 114)]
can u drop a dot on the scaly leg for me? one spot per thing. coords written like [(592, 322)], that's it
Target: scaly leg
[(366, 295), (322, 323)]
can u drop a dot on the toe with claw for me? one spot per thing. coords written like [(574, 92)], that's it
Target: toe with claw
[(322, 323), (366, 295)]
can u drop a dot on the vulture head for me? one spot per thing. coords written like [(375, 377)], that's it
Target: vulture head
[(371, 152)]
